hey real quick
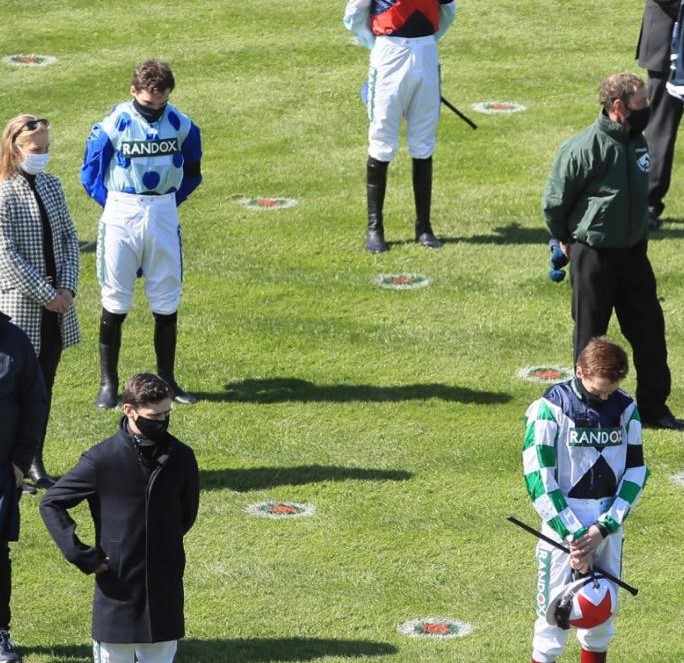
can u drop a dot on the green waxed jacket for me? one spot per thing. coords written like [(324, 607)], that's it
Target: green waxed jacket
[(597, 192)]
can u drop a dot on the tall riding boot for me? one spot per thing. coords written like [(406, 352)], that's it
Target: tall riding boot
[(592, 656), (376, 184), (165, 333), (422, 194), (37, 472), (110, 345)]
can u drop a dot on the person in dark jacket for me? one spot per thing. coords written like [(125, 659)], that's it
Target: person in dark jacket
[(142, 487), (653, 53), (23, 413), (595, 204)]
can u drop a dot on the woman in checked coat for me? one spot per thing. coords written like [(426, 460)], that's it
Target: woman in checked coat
[(39, 254)]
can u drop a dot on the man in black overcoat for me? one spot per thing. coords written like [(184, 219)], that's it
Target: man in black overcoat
[(653, 53), (23, 415), (142, 487)]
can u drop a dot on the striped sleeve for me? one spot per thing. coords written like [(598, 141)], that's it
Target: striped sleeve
[(539, 466), (633, 480)]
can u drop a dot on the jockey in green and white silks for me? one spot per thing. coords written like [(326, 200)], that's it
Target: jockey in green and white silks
[(583, 465)]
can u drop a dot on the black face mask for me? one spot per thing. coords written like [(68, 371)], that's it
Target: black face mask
[(152, 429), (638, 119), (152, 114), (595, 402)]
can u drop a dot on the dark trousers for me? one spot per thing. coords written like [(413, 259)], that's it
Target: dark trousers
[(661, 134), (622, 280), (5, 585), (49, 355)]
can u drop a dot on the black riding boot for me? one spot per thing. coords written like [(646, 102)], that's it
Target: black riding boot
[(165, 332), (110, 345), (37, 472), (422, 194), (376, 184)]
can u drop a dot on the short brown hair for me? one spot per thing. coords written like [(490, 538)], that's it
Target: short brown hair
[(621, 86), (16, 131), (602, 358), (145, 388), (153, 76)]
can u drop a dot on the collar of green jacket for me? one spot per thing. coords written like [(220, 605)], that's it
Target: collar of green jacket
[(613, 129)]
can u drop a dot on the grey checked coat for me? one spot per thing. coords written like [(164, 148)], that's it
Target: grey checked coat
[(24, 291)]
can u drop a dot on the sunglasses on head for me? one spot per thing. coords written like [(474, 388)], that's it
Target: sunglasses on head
[(32, 125)]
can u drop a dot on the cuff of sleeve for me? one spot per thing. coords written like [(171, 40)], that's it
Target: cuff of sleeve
[(607, 523), (603, 528), (580, 532)]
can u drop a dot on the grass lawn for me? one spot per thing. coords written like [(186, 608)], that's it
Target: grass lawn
[(397, 414)]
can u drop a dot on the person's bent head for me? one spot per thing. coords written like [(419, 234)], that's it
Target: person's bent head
[(624, 98), (602, 366), (153, 76)]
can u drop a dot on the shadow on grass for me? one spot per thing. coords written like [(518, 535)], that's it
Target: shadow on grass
[(511, 234), (279, 390), (666, 231), (517, 234), (260, 478), (238, 650)]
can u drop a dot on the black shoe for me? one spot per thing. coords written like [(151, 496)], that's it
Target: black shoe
[(8, 654), (666, 422), (37, 472), (375, 242), (183, 397), (654, 220), (106, 397), (429, 241), (29, 490), (43, 483), (178, 394)]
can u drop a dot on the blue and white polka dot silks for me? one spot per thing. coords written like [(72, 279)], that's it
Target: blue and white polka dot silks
[(125, 153), (147, 157)]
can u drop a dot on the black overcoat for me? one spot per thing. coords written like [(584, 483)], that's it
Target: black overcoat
[(141, 514)]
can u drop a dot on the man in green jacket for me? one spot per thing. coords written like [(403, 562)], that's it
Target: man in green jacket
[(596, 204)]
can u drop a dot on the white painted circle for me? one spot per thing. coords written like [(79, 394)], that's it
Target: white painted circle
[(32, 60), (266, 203), (280, 510), (401, 281), (435, 628), (499, 107), (545, 374)]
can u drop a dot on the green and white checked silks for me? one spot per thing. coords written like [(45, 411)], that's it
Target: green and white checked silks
[(557, 454)]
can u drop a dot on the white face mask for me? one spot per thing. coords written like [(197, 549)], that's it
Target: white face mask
[(35, 163)]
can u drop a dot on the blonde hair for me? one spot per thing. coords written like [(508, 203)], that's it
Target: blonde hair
[(17, 131)]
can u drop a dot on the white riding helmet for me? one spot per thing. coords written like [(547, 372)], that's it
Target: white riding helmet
[(584, 603)]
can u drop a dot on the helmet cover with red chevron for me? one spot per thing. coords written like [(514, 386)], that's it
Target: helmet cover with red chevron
[(584, 603)]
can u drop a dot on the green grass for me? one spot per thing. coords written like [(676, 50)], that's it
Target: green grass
[(397, 414)]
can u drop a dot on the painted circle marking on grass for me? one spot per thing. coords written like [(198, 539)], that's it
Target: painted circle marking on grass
[(401, 281), (678, 478), (266, 202), (435, 628), (545, 374), (279, 510), (29, 60), (499, 107)]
